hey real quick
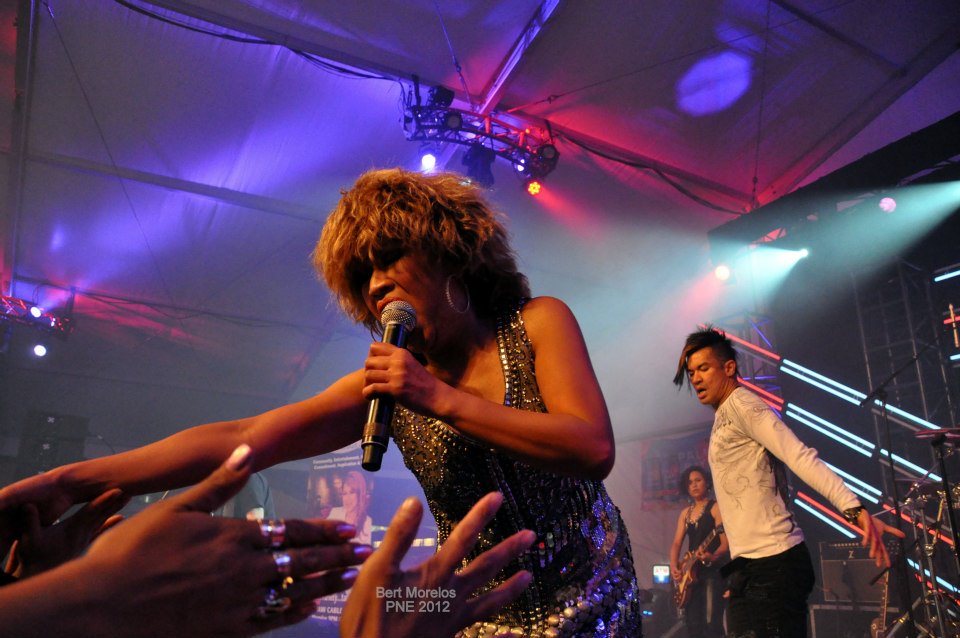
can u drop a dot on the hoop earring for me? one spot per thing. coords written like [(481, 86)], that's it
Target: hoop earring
[(449, 297)]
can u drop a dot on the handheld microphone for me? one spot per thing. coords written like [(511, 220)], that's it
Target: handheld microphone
[(398, 319)]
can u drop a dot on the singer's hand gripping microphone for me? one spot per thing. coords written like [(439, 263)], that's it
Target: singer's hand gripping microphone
[(398, 319)]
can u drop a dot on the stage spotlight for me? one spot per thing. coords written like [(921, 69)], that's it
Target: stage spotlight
[(722, 272), (36, 312), (478, 160), (428, 161), (534, 187), (452, 121), (888, 204), (440, 96), (803, 252), (548, 153), (39, 350), (547, 156)]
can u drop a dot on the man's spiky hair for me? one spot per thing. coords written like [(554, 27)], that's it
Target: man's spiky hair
[(708, 337)]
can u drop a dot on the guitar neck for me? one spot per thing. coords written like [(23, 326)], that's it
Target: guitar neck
[(691, 556), (709, 539)]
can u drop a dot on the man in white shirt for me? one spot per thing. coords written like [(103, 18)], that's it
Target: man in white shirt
[(771, 574)]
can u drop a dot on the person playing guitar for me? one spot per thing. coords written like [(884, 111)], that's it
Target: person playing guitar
[(698, 586)]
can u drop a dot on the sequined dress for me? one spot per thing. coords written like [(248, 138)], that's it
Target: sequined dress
[(583, 579)]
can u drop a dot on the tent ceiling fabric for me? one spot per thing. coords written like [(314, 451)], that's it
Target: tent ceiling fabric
[(175, 181)]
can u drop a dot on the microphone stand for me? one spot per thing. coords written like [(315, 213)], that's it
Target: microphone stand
[(903, 581), (937, 443), (903, 578)]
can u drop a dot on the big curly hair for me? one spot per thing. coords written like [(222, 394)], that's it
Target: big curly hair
[(683, 487), (442, 216)]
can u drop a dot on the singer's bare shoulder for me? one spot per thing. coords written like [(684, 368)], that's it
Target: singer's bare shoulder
[(548, 315)]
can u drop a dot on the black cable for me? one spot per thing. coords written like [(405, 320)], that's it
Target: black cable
[(683, 190), (183, 25), (453, 55), (313, 59)]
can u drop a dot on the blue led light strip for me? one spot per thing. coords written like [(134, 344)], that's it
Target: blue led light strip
[(844, 392), (955, 357), (947, 275), (911, 466), (926, 573), (839, 386), (825, 388), (835, 432), (857, 485), (826, 432), (907, 415), (826, 519), (842, 435)]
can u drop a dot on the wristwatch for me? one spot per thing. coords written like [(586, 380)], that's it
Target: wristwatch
[(853, 514)]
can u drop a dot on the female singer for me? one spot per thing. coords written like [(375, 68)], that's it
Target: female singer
[(495, 392)]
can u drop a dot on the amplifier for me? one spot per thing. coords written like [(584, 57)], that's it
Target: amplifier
[(844, 621), (847, 571)]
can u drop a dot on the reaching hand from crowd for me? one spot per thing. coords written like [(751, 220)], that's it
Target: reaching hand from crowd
[(45, 493), (432, 599), (174, 570), (39, 548)]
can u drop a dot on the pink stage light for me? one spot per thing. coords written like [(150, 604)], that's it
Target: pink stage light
[(753, 347), (770, 399)]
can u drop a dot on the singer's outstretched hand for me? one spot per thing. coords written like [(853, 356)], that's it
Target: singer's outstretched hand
[(873, 531)]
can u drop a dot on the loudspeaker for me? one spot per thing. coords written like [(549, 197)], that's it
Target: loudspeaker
[(843, 621), (847, 571), (50, 440)]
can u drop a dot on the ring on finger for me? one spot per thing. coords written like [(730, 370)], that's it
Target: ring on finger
[(284, 564), (273, 604), (274, 530)]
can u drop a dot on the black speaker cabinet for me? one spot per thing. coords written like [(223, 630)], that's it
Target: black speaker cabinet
[(50, 440), (843, 620), (847, 572)]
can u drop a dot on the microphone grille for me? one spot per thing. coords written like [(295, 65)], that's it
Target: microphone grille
[(399, 312)]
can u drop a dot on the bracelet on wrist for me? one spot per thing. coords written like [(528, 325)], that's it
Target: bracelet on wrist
[(852, 515)]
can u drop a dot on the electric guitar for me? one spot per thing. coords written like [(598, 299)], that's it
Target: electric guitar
[(878, 626), (688, 569)]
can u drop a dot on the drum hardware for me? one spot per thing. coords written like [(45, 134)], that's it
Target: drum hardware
[(933, 613)]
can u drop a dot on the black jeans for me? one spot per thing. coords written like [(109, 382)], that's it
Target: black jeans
[(703, 615), (768, 596)]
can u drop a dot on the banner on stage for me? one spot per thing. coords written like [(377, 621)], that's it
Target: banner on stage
[(663, 459)]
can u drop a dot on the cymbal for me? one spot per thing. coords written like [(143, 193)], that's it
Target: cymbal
[(922, 488), (949, 433)]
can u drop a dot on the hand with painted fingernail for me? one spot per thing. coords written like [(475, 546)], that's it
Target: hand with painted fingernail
[(436, 597), (175, 570)]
